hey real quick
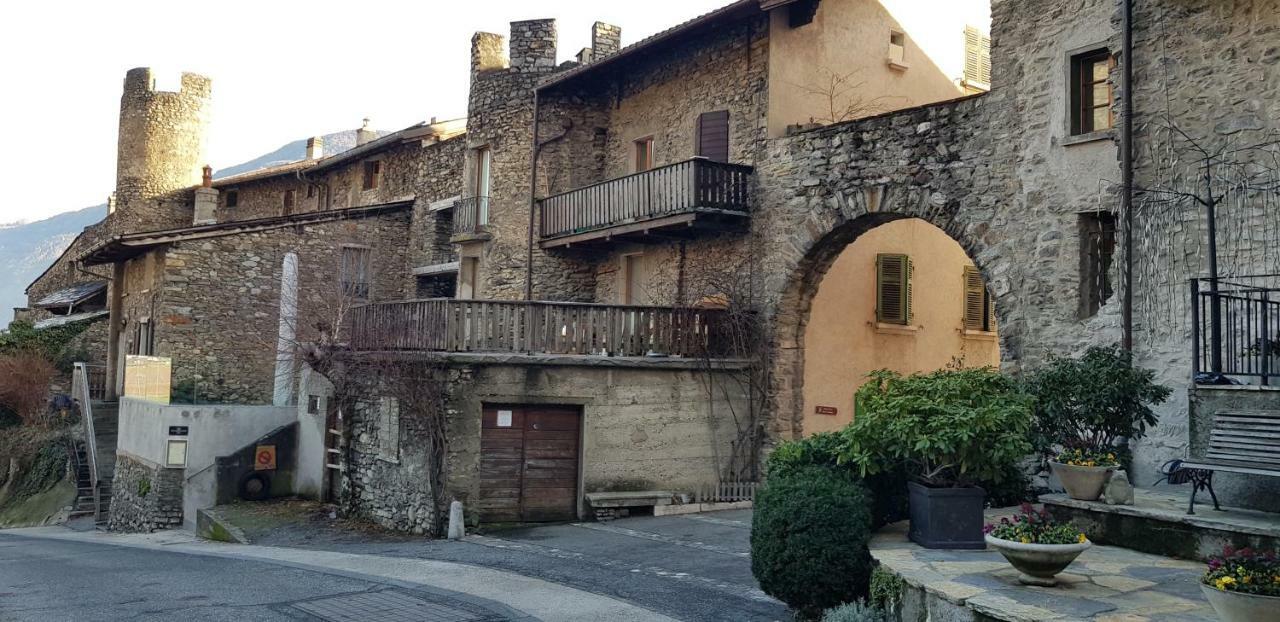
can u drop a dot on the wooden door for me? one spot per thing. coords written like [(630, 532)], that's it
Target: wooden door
[(529, 464)]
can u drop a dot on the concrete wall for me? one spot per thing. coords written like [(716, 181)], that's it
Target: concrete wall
[(212, 431), (843, 342), (643, 428), (848, 40), (309, 478)]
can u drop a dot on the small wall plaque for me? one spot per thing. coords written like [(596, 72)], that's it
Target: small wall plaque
[(178, 430), (265, 458), (830, 411)]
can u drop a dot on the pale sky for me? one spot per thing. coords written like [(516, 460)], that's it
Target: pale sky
[(281, 70)]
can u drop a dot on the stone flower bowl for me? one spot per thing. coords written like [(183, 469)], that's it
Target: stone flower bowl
[(1240, 607), (1038, 564), (1082, 482)]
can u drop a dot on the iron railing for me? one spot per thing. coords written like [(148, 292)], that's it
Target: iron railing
[(453, 325), (81, 392), (470, 215), (691, 185), (1235, 326)]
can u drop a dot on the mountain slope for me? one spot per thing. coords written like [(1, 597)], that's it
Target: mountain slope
[(26, 249)]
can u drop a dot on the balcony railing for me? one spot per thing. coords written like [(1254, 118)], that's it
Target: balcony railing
[(1235, 325), (684, 187), (470, 215), (450, 325)]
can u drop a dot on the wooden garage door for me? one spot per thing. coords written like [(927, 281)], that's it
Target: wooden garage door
[(529, 464)]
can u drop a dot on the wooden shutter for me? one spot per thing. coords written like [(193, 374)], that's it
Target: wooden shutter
[(713, 135), (977, 57), (893, 289), (975, 294)]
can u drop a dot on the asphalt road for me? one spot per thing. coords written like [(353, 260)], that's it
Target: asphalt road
[(51, 581), (695, 568)]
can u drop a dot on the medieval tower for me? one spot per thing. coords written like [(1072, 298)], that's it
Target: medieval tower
[(162, 148)]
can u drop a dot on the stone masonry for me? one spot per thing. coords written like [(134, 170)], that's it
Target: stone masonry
[(145, 497)]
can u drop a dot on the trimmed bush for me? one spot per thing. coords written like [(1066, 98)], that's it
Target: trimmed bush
[(855, 612), (809, 539), (888, 488)]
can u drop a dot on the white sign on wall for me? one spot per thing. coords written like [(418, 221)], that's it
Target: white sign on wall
[(504, 418)]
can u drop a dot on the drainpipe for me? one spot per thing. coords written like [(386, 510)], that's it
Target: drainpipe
[(533, 201), (1126, 166)]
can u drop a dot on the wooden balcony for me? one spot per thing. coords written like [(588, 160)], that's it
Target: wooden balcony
[(451, 325), (676, 200)]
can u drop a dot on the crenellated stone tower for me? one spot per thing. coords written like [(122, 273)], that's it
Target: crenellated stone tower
[(162, 147)]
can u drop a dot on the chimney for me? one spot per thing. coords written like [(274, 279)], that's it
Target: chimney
[(606, 39), (488, 52), (111, 203), (584, 56), (205, 210), (364, 134), (533, 45), (315, 148)]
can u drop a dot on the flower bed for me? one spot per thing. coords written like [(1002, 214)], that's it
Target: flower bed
[(1031, 526), (1246, 571)]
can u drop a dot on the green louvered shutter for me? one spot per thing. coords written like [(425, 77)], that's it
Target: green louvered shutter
[(893, 289)]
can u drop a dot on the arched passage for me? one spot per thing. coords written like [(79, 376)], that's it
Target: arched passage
[(830, 329), (857, 325)]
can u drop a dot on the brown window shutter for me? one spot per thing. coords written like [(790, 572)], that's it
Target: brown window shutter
[(713, 135), (893, 289), (974, 299), (977, 56)]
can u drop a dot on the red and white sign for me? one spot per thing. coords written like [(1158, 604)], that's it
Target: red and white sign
[(265, 458)]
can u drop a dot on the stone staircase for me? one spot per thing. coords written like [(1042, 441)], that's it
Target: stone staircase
[(88, 501)]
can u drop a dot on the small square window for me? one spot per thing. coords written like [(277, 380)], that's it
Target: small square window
[(233, 198), (313, 404), (644, 154)]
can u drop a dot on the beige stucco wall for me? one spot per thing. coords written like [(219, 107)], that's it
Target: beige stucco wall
[(850, 38), (843, 342)]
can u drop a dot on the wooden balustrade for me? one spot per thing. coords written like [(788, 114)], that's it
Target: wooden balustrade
[(451, 325), (688, 186)]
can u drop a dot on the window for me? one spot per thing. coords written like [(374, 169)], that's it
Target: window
[(1097, 249), (634, 290), (977, 58), (355, 271), (644, 154), (979, 311), (480, 184), (143, 339), (1091, 92), (287, 207), (311, 191), (313, 404), (713, 135), (897, 49), (233, 198), (389, 429), (893, 289), (372, 175)]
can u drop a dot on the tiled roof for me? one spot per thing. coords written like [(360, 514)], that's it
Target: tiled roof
[(72, 295), (263, 173)]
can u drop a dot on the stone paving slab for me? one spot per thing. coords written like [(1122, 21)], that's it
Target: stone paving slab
[(1170, 505), (1106, 584)]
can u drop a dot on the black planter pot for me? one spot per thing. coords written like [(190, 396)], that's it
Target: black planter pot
[(946, 518)]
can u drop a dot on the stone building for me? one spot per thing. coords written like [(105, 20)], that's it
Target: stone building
[(572, 271)]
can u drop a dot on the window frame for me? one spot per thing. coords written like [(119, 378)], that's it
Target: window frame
[(232, 200), (371, 175), (1095, 267), (645, 143), (288, 201), (348, 283), (904, 315), (1081, 90)]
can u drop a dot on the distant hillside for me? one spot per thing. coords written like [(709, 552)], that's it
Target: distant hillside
[(26, 249)]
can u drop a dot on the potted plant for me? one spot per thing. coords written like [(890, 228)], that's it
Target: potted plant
[(949, 430), (1087, 410), (1084, 472), (1037, 546), (1243, 585)]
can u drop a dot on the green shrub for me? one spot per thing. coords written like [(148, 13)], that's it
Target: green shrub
[(886, 589), (855, 612), (809, 539), (22, 336), (1099, 400), (947, 428), (888, 488)]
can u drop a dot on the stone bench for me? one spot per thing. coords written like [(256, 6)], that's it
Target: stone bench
[(611, 505)]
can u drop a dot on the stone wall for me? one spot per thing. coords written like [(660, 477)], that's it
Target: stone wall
[(394, 492), (145, 496), (217, 316)]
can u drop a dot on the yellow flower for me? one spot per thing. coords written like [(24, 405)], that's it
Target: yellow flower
[(1223, 582), (1026, 540), (1111, 456), (1089, 463), (1082, 539), (1246, 579)]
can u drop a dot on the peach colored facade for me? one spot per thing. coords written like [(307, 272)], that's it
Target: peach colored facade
[(843, 341)]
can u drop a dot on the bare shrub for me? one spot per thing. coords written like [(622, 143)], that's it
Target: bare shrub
[(24, 385)]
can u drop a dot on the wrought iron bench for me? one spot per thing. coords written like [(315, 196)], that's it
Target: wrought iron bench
[(1240, 441)]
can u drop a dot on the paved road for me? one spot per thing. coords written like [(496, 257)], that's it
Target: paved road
[(694, 567), (51, 581)]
